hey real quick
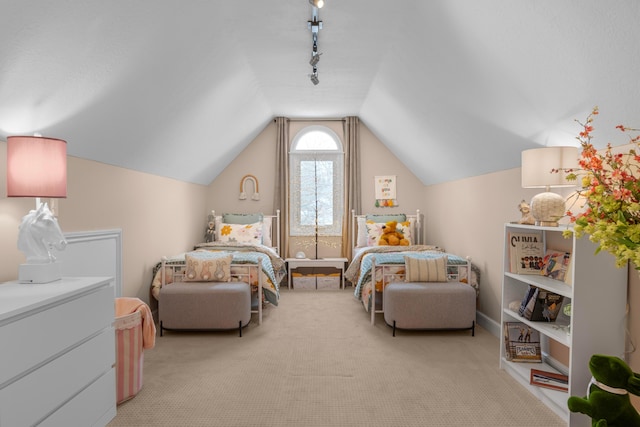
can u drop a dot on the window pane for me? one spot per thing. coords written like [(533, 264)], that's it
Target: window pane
[(316, 192), (307, 193), (325, 193), (316, 140), (316, 183)]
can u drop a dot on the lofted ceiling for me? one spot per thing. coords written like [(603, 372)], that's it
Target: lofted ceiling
[(455, 88)]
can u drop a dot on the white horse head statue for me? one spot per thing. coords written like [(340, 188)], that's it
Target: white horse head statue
[(38, 233)]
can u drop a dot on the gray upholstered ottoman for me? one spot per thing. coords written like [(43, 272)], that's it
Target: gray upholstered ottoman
[(430, 305), (204, 305)]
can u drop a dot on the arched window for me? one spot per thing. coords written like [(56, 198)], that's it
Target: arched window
[(316, 188)]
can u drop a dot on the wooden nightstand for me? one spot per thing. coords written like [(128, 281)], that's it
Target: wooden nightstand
[(338, 263)]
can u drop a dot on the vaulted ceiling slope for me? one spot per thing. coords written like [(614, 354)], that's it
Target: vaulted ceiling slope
[(455, 88)]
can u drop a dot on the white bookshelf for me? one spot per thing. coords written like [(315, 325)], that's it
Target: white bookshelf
[(598, 293)]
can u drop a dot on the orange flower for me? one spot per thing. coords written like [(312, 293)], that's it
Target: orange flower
[(611, 190)]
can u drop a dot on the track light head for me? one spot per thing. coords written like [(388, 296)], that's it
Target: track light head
[(315, 58), (314, 78), (317, 3)]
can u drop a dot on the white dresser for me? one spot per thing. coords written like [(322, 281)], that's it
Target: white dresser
[(57, 353)]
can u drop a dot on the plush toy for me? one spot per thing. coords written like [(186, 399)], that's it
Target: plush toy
[(525, 210), (607, 401), (392, 237)]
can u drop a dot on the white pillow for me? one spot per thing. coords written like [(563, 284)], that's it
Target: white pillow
[(266, 231), (361, 235), (374, 231), (241, 233)]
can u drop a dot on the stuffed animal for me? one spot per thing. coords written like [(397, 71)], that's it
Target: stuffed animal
[(607, 401), (392, 237), (525, 210)]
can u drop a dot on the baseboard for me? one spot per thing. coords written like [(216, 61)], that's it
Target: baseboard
[(488, 323)]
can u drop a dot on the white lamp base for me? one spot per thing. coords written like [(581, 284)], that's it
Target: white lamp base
[(39, 273), (547, 208)]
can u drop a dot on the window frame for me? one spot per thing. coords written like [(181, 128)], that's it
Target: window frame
[(296, 157)]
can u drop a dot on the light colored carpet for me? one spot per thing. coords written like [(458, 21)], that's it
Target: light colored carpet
[(317, 361)]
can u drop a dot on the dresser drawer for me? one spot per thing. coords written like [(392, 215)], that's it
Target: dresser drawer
[(43, 391), (33, 339), (95, 406)]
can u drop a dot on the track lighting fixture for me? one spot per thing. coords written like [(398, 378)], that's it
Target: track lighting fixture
[(315, 26), (315, 56)]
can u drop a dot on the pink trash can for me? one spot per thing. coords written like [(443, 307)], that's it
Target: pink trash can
[(129, 355)]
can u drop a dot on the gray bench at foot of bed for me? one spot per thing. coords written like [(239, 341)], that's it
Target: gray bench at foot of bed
[(430, 305), (204, 306)]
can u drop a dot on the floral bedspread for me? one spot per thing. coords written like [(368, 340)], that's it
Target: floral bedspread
[(353, 271), (272, 266)]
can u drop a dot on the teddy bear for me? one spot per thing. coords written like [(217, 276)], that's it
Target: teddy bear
[(607, 401), (391, 236)]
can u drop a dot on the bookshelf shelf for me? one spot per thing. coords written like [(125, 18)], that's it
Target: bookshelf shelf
[(597, 291)]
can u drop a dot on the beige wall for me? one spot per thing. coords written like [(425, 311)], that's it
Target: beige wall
[(467, 217), (157, 216), (258, 160), (376, 159)]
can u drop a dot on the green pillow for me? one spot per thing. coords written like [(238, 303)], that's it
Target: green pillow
[(386, 217), (239, 218)]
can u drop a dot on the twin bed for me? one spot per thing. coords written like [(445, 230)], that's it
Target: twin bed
[(434, 279), (221, 283)]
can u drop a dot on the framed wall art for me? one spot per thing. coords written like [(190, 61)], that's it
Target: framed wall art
[(385, 191)]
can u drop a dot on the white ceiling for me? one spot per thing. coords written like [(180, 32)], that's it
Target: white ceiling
[(455, 88)]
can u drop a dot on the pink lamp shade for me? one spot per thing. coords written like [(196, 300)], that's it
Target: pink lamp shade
[(36, 167)]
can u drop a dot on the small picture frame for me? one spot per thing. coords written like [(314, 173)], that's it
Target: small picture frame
[(385, 191), (550, 380)]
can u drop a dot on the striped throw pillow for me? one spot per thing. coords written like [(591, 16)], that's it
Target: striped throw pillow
[(425, 269)]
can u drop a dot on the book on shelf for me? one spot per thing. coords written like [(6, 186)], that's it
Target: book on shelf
[(563, 319), (525, 299), (555, 264), (549, 380), (522, 343), (540, 305), (568, 277), (526, 252)]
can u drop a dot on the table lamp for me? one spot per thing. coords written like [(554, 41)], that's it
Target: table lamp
[(37, 167), (547, 168)]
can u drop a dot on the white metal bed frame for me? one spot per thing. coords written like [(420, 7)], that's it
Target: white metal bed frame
[(453, 275), (240, 273)]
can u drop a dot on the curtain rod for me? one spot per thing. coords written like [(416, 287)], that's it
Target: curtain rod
[(314, 120)]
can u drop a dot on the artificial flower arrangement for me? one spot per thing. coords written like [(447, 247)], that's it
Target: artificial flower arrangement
[(611, 190)]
